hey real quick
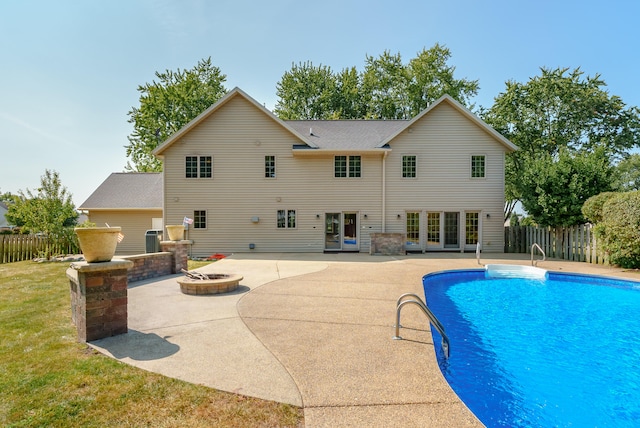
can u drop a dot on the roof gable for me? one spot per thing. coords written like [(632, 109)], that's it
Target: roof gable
[(338, 135), (508, 145), (127, 190), (236, 92)]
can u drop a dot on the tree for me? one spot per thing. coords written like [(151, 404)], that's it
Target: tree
[(385, 85), (49, 210), (349, 102), (554, 188), (166, 106), (431, 78), (560, 109), (386, 89), (306, 92), (627, 175)]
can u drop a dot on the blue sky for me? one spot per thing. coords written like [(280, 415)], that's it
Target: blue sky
[(70, 69)]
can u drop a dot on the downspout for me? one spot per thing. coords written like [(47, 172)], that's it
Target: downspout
[(384, 191)]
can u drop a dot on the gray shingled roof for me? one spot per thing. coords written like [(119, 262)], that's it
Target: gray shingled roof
[(347, 134), (124, 190)]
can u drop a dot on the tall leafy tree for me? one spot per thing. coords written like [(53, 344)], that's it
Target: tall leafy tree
[(385, 85), (555, 187), (306, 92), (387, 88), (627, 174), (431, 77), (349, 103), (560, 109), (168, 104), (48, 210)]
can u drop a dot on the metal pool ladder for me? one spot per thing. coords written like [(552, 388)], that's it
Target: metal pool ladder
[(544, 256), (430, 315)]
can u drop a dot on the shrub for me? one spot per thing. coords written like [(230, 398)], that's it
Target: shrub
[(592, 207), (619, 229)]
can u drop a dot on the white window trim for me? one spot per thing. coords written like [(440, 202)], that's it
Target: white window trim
[(348, 169), (402, 166), (198, 177), (484, 177), (275, 167), (286, 218), (206, 220)]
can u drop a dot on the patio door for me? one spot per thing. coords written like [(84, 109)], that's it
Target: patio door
[(341, 231), (452, 230), (350, 231)]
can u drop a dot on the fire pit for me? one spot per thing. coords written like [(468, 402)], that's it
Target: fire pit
[(197, 283)]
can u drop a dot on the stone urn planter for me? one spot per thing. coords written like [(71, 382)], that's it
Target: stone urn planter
[(176, 232), (98, 244)]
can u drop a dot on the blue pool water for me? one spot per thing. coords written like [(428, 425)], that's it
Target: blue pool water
[(563, 351)]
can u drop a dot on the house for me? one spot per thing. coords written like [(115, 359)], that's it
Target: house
[(132, 201), (253, 182)]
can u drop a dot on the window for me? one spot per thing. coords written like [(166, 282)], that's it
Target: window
[(433, 228), (199, 219), (340, 166), (191, 167), (205, 167), (286, 219), (472, 227), (199, 166), (477, 166), (354, 166), (409, 166), (270, 166), (413, 228)]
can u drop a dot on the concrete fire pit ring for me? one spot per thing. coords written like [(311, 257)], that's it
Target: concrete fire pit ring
[(216, 283)]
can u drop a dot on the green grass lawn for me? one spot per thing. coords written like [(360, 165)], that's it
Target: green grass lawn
[(49, 379)]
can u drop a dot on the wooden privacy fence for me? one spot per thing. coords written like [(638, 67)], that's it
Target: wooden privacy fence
[(15, 248), (575, 243)]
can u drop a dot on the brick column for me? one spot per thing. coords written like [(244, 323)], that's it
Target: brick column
[(179, 251), (99, 298)]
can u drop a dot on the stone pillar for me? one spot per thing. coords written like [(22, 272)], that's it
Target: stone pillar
[(99, 298), (180, 253)]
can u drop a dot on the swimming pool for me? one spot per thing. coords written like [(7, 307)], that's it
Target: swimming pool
[(559, 350)]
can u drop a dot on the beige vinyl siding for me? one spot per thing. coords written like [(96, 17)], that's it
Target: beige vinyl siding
[(444, 142), (134, 224), (238, 137)]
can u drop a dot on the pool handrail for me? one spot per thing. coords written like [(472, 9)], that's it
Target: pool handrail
[(544, 256), (430, 316)]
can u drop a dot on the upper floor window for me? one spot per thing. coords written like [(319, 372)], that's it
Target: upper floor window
[(409, 166), (347, 166), (286, 219), (477, 166), (199, 166), (270, 166)]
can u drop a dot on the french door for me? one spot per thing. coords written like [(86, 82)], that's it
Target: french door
[(341, 231), (443, 230)]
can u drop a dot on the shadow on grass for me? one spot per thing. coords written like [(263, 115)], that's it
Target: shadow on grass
[(137, 346)]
